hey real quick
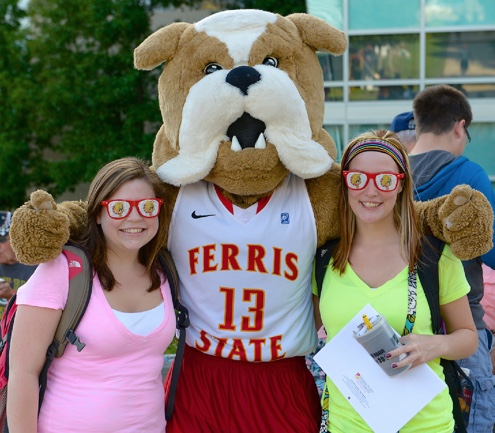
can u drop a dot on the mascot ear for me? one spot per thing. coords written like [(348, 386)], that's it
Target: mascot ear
[(159, 46), (318, 34)]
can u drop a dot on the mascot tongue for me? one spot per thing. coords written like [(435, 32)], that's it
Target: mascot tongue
[(247, 129)]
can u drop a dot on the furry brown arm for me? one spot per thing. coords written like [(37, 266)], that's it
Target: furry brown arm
[(463, 219), (324, 194)]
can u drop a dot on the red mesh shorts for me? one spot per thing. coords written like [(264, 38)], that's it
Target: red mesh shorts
[(217, 395)]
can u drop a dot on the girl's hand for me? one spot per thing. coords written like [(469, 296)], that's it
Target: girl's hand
[(460, 342), (419, 349)]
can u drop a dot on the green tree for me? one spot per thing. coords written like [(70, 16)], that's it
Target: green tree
[(91, 105), (15, 84)]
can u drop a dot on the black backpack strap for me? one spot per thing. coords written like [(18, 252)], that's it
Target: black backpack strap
[(428, 274), (80, 286), (322, 258), (182, 322)]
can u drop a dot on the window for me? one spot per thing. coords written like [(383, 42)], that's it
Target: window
[(331, 66), (381, 93), (336, 132), (329, 10), (372, 14), (355, 130), (334, 94), (394, 52), (481, 149), (441, 13), (378, 57), (460, 54)]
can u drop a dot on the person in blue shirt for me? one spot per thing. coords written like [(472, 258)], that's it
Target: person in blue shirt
[(443, 116)]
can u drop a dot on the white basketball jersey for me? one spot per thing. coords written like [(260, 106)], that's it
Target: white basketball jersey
[(246, 281)]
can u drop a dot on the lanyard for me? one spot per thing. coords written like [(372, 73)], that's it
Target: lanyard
[(411, 301)]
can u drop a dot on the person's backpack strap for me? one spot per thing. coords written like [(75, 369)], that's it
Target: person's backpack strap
[(182, 322), (322, 258), (428, 274), (80, 285), (81, 280)]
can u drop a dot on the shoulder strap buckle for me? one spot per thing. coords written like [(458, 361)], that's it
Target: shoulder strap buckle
[(181, 316), (74, 339)]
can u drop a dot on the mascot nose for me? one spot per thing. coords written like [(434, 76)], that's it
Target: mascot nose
[(242, 77)]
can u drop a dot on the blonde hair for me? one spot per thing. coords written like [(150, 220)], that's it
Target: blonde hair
[(405, 217)]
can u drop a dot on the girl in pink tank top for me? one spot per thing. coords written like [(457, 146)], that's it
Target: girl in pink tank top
[(114, 384)]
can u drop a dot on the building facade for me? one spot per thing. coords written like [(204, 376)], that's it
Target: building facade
[(397, 48)]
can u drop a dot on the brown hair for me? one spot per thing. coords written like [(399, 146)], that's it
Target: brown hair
[(112, 176), (437, 108), (405, 217)]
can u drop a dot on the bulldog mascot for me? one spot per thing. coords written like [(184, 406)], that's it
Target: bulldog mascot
[(253, 189)]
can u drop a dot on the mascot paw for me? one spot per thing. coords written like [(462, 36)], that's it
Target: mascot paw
[(41, 200), (38, 230), (467, 222)]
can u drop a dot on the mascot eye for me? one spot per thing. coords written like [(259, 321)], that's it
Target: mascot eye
[(271, 61), (212, 67)]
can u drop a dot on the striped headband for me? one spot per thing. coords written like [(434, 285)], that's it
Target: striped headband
[(376, 145)]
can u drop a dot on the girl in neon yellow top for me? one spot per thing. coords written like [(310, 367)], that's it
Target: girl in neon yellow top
[(380, 244)]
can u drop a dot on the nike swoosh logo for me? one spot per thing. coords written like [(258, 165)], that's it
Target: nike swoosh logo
[(196, 216)]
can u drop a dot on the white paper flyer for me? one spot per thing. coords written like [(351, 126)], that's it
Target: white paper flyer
[(385, 403)]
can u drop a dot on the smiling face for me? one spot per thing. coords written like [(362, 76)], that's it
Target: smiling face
[(370, 205), (131, 233)]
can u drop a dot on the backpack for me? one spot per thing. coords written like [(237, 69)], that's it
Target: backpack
[(80, 285), (459, 384)]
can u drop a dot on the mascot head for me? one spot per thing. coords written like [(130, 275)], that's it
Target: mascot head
[(242, 99)]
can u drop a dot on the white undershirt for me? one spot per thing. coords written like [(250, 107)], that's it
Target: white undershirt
[(143, 322)]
